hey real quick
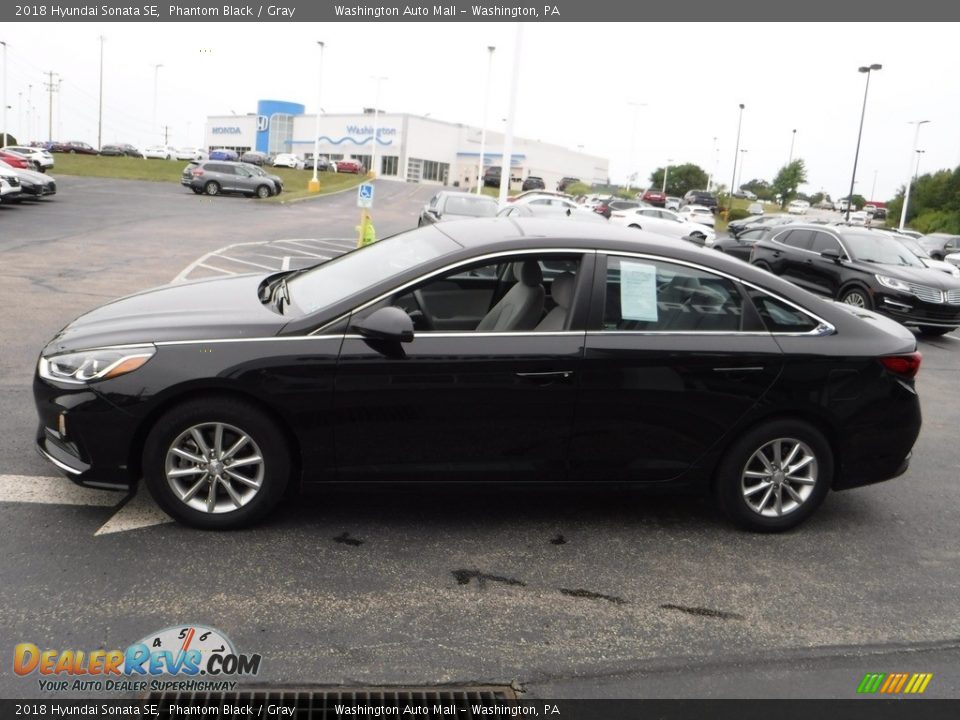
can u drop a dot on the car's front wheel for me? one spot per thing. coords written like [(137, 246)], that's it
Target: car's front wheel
[(216, 464), (775, 476), (263, 192), (857, 297), (212, 188)]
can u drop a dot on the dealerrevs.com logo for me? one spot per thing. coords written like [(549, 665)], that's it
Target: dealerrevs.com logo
[(192, 652)]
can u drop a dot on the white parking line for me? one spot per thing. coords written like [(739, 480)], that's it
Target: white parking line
[(292, 248), (285, 265), (245, 262), (132, 513)]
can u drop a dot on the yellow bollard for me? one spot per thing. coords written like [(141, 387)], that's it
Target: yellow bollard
[(313, 186), (366, 233)]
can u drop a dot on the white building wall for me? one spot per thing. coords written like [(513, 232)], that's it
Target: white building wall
[(230, 131)]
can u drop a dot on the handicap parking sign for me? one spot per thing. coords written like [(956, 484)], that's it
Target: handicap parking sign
[(365, 195)]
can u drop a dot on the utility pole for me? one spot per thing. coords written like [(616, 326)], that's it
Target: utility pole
[(166, 134), (100, 111), (51, 89), (5, 128)]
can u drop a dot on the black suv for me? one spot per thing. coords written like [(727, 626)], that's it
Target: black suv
[(491, 178), (700, 197), (566, 182), (221, 176), (533, 183), (866, 268)]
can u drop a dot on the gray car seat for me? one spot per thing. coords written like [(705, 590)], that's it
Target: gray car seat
[(562, 293), (522, 306)]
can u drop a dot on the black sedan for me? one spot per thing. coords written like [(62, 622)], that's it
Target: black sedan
[(866, 268), (741, 245), (494, 350), (449, 205), (121, 150)]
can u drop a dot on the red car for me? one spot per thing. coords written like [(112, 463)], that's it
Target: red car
[(350, 166), (655, 197), (15, 160)]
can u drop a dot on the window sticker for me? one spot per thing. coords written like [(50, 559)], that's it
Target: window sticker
[(638, 291)]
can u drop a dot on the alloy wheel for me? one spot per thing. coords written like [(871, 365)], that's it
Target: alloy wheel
[(779, 477), (214, 468)]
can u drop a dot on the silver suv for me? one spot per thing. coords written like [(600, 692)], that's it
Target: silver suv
[(220, 176)]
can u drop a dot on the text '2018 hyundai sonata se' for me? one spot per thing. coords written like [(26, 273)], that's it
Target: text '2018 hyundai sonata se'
[(493, 349)]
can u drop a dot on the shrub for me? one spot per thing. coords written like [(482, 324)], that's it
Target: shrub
[(737, 214), (578, 188)]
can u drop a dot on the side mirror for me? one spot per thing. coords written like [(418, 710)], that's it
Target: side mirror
[(389, 323), (831, 254)]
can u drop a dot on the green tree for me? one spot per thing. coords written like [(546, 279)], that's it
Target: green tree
[(578, 188), (760, 188), (858, 201), (787, 181), (680, 179)]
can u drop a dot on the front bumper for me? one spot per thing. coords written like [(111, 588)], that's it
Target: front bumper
[(84, 435), (910, 310)]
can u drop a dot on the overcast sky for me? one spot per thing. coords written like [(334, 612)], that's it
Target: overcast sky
[(576, 83)]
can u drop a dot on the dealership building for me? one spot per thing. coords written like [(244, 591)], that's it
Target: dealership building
[(411, 148)]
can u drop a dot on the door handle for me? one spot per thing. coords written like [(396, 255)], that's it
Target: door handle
[(752, 368), (545, 375)]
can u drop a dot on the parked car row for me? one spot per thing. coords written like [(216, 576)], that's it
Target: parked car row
[(20, 182), (30, 158)]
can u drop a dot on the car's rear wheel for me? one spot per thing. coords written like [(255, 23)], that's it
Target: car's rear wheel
[(933, 331), (775, 476), (635, 226), (212, 188), (216, 464), (263, 192), (763, 265), (857, 297)]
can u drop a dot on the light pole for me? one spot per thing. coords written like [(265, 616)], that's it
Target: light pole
[(4, 43), (314, 184), (156, 73), (100, 109), (666, 171), (633, 139), (506, 169), (736, 154), (483, 127), (743, 154), (712, 166), (793, 138), (376, 116), (873, 189), (856, 156), (906, 194), (916, 171)]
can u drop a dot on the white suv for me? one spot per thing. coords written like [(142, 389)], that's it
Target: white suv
[(40, 159)]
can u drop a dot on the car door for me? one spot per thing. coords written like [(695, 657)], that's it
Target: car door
[(790, 259), (675, 356), (481, 405), (825, 274)]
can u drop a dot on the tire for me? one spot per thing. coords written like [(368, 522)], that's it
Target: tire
[(73, 152), (212, 188), (762, 265), (858, 297), (937, 256), (635, 227), (931, 331), (220, 501), (197, 191), (698, 234), (750, 501), (263, 192)]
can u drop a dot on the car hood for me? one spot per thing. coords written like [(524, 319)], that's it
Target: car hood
[(219, 308), (940, 265), (32, 177), (920, 276)]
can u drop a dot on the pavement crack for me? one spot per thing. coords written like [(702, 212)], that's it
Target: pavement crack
[(464, 577), (703, 612), (589, 594), (558, 540), (345, 539)]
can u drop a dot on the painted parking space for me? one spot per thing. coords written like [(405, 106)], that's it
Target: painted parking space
[(264, 256)]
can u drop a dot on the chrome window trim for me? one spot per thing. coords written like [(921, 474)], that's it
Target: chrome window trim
[(467, 333), (278, 338), (453, 266), (787, 228), (823, 327)]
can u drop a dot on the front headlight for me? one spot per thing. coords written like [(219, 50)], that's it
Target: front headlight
[(893, 283), (91, 365)]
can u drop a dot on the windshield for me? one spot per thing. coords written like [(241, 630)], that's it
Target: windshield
[(914, 247), (881, 250), (348, 274), (474, 207)]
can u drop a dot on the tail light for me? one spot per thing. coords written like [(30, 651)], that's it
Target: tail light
[(906, 366)]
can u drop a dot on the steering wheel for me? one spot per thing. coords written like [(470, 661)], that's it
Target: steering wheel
[(424, 319)]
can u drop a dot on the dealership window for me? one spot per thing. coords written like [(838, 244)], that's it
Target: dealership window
[(389, 165), (280, 133), (646, 295), (436, 171), (365, 159)]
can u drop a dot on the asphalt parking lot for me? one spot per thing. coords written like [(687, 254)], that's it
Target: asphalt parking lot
[(568, 592)]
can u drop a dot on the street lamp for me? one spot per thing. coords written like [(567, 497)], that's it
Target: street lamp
[(376, 117), (314, 184), (666, 171), (3, 42), (483, 127), (100, 108), (916, 171), (153, 125), (856, 156), (743, 155), (793, 139), (906, 194), (736, 154), (633, 140)]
